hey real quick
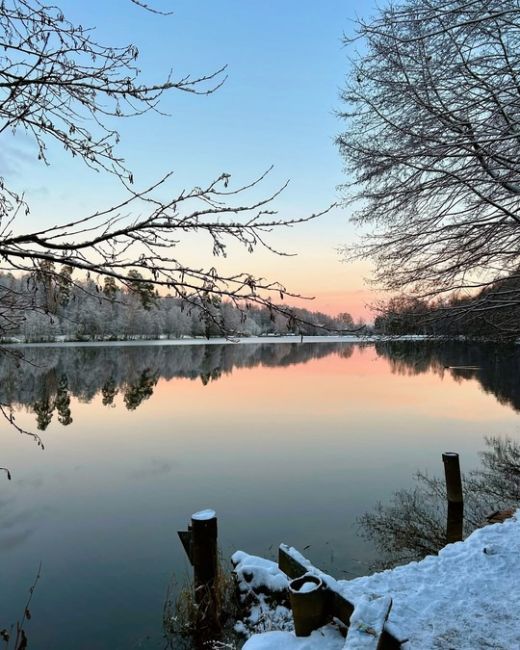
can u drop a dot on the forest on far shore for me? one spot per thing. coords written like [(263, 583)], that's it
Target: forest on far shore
[(42, 310)]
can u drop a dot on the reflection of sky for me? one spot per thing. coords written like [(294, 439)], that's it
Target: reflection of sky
[(286, 65), (290, 454)]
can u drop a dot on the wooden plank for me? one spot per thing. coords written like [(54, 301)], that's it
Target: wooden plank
[(367, 624), (499, 516), (390, 642), (291, 567), (185, 537)]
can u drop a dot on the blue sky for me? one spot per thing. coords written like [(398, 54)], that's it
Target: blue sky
[(286, 64)]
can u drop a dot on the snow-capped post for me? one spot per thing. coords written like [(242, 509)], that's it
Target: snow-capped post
[(308, 604), (204, 548), (455, 520), (200, 544)]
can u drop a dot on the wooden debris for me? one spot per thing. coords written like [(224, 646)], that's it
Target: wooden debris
[(294, 565), (367, 624), (499, 516)]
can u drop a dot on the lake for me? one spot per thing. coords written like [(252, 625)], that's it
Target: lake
[(288, 442)]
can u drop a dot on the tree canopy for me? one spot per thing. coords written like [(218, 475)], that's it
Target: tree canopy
[(432, 146)]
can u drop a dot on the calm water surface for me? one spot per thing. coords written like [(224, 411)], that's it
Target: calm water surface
[(288, 442)]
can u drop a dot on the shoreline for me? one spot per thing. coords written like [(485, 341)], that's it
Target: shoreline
[(250, 340)]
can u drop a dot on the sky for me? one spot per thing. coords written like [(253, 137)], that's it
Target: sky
[(285, 67)]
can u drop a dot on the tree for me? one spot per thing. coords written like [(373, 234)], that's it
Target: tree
[(144, 291), (433, 147), (59, 84), (402, 315), (413, 523)]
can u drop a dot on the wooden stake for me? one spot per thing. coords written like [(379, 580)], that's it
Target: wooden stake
[(455, 520), (200, 544), (204, 549), (309, 606), (453, 479)]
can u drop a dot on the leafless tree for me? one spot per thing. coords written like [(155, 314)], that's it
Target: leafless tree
[(413, 523), (58, 83), (432, 147)]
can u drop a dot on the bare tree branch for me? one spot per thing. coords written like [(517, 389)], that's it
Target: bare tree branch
[(59, 83), (432, 144)]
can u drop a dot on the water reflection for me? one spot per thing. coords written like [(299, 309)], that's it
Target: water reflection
[(495, 367), (53, 375), (50, 376), (413, 524), (288, 452)]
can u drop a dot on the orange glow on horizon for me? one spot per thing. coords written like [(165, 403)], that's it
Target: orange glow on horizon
[(322, 383)]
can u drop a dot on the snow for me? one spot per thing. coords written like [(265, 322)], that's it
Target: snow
[(256, 573), (326, 638), (307, 587), (467, 597), (264, 592), (204, 515), (367, 622), (137, 340), (329, 581)]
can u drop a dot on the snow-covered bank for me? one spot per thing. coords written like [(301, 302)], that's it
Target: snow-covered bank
[(348, 338), (327, 638), (465, 598)]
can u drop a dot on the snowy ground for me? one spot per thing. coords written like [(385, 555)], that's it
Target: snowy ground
[(137, 340), (465, 598), (327, 638)]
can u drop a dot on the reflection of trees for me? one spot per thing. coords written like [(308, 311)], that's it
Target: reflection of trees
[(54, 374), (499, 479), (413, 524), (140, 390), (495, 367), (50, 376), (44, 410), (109, 391), (48, 403), (63, 402)]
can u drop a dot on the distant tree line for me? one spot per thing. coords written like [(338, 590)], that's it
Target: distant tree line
[(493, 312), (41, 310)]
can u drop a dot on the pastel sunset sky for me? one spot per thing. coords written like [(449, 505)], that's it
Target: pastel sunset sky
[(286, 64)]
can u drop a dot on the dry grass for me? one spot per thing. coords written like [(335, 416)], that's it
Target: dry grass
[(188, 624)]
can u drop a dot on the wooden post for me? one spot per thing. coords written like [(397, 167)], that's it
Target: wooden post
[(200, 544), (455, 523), (455, 519), (453, 479), (308, 604), (204, 549)]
